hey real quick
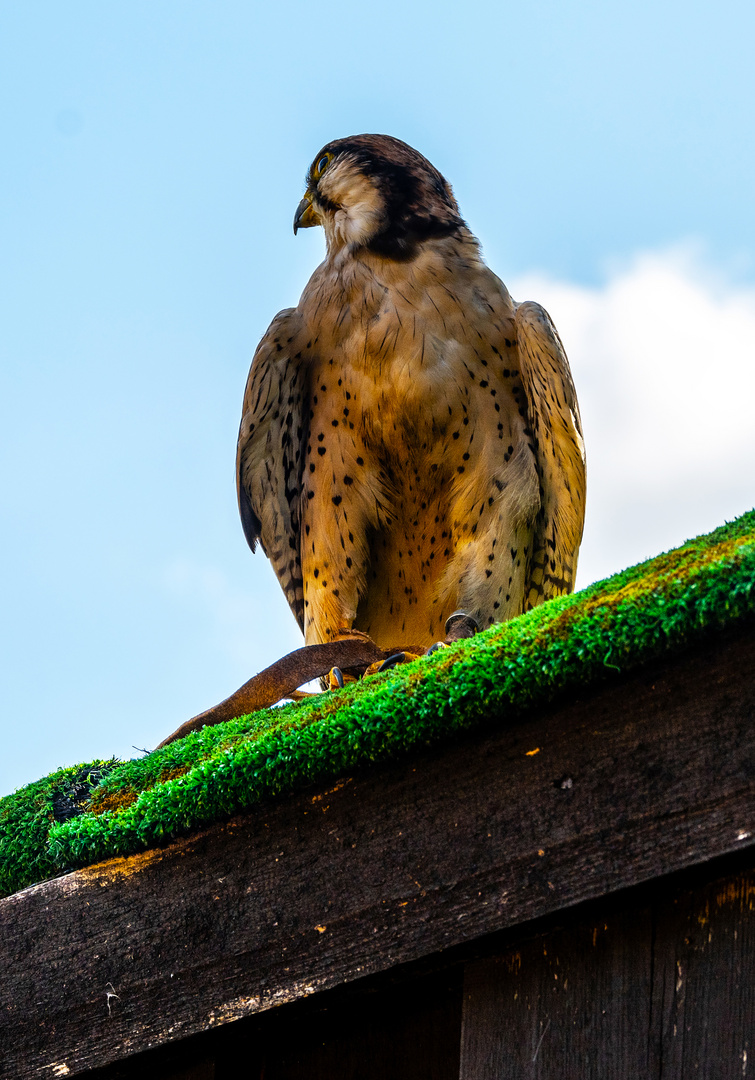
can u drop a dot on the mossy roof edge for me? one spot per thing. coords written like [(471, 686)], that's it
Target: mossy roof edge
[(660, 606)]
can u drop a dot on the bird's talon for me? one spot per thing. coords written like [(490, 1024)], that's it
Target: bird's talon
[(391, 661), (335, 679), (434, 648)]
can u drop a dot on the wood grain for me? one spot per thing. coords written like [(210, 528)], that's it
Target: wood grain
[(568, 1005), (663, 991), (638, 778), (406, 1026), (703, 1008)]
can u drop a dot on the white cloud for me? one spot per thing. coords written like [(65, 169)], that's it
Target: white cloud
[(663, 356)]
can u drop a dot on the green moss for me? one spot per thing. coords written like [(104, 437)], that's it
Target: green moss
[(27, 816), (660, 606)]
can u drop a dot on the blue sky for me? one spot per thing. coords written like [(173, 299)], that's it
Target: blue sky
[(153, 158)]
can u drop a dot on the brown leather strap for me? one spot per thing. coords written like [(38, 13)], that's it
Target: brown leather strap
[(284, 676)]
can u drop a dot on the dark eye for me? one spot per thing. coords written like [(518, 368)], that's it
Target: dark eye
[(322, 164)]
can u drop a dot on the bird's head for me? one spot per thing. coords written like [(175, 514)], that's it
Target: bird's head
[(375, 192)]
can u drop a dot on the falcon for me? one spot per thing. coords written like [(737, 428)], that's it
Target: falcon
[(410, 447)]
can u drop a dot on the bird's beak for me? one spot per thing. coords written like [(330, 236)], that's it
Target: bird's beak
[(306, 215)]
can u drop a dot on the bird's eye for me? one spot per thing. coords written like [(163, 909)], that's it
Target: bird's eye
[(322, 164)]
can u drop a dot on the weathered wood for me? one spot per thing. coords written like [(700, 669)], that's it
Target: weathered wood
[(665, 990), (703, 1008), (567, 1006), (405, 1028), (409, 1032), (172, 1066), (576, 992), (650, 774)]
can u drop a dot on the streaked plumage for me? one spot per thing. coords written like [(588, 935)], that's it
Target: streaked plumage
[(410, 442)]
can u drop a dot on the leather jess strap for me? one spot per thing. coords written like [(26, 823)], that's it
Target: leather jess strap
[(282, 678)]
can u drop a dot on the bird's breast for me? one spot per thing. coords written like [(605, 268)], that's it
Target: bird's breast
[(416, 364)]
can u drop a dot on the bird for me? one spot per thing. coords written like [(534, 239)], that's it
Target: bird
[(410, 450)]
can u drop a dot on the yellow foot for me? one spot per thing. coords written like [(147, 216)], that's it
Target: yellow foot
[(337, 679), (435, 646), (404, 657)]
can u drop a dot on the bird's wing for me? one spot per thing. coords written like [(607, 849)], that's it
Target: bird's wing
[(553, 415), (270, 453)]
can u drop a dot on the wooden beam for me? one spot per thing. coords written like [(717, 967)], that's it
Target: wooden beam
[(647, 775), (662, 989)]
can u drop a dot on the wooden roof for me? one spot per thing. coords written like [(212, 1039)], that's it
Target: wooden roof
[(613, 784), (662, 608)]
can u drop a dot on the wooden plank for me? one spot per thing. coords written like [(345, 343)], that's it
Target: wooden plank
[(407, 1033), (406, 1028), (171, 1066), (638, 778), (567, 1006), (704, 983), (663, 990)]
